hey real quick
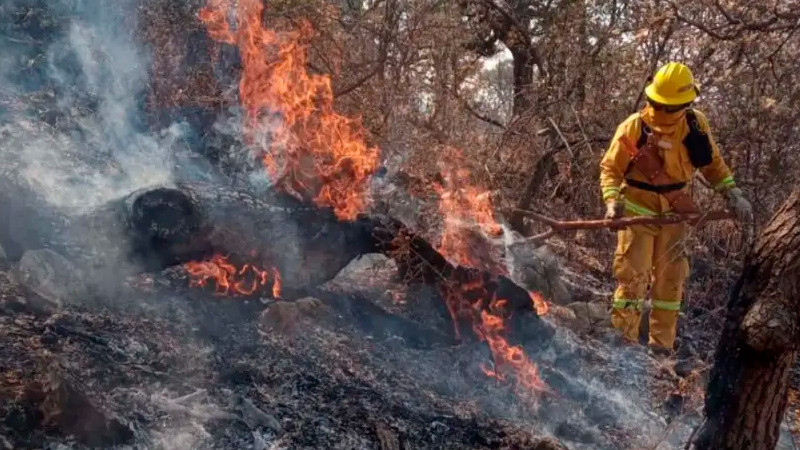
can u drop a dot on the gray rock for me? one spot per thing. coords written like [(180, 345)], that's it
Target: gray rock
[(3, 257), (536, 269), (286, 316), (51, 276), (254, 417), (684, 368), (372, 271), (589, 315), (94, 426)]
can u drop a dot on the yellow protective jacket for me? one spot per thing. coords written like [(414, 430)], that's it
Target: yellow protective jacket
[(672, 129)]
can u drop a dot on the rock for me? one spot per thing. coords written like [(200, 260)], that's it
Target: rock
[(51, 276), (3, 257), (536, 269), (310, 307), (254, 417), (286, 316), (588, 316), (574, 433), (11, 292), (369, 272), (684, 368)]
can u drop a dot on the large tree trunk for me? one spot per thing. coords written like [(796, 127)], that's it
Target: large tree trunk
[(746, 398)]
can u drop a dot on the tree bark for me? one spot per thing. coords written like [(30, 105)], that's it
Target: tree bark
[(747, 392)]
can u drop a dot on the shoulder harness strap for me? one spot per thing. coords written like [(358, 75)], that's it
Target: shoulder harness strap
[(644, 135), (645, 132)]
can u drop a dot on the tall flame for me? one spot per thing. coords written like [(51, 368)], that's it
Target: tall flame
[(312, 152), (228, 279), (307, 148), (465, 207)]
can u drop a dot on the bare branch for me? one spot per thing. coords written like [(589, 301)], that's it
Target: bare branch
[(360, 82), (626, 221), (480, 116)]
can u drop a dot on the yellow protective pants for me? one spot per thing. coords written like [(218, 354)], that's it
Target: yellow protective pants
[(655, 257)]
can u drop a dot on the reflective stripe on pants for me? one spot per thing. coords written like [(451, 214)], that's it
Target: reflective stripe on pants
[(650, 256), (623, 303), (667, 305)]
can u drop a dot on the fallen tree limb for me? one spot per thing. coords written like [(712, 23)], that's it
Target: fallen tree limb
[(560, 226)]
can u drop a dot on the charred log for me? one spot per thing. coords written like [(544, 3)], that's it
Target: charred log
[(161, 227), (747, 393), (308, 244)]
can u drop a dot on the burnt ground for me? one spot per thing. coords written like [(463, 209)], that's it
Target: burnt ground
[(160, 365), (182, 372)]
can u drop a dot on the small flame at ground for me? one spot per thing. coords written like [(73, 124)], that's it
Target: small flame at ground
[(539, 304), (506, 356), (313, 152), (228, 279)]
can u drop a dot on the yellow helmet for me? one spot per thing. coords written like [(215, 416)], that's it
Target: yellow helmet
[(673, 84)]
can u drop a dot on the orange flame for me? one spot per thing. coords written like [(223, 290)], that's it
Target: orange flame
[(491, 329), (276, 287), (230, 280), (310, 151), (313, 152), (463, 208), (539, 304)]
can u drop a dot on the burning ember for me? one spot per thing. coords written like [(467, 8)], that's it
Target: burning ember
[(539, 305), (230, 280), (308, 149)]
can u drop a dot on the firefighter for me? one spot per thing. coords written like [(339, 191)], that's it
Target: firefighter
[(654, 256)]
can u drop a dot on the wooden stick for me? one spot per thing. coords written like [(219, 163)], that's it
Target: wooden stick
[(592, 224)]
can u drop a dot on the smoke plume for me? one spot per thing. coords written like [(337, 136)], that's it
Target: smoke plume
[(74, 78)]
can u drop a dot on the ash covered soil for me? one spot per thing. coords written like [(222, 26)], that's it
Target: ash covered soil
[(361, 364)]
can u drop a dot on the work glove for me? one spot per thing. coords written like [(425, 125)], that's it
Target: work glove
[(614, 208), (740, 206)]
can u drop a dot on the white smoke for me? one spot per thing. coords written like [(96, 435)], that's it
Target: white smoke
[(79, 140)]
